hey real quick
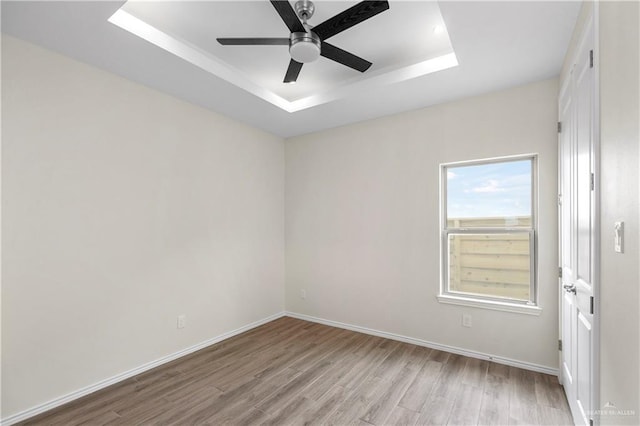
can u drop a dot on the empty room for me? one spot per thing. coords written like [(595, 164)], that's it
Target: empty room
[(320, 212)]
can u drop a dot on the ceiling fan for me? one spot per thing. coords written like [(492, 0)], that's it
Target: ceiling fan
[(307, 43)]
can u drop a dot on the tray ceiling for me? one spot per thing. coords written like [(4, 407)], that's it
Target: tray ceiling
[(498, 45), (404, 42)]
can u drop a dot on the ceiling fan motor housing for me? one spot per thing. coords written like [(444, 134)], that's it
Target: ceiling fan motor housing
[(304, 47)]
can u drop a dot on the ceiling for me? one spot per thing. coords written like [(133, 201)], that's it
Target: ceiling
[(495, 45)]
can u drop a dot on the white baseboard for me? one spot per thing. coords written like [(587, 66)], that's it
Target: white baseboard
[(34, 411), (432, 345)]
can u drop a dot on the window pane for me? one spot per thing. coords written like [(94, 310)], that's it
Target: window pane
[(489, 195), (494, 265)]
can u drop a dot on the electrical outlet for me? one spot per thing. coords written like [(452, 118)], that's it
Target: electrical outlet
[(182, 321), (466, 320), (303, 294)]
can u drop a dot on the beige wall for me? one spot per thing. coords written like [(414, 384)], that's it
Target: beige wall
[(122, 208), (362, 226), (620, 159)]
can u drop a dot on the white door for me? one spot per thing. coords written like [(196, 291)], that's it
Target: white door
[(577, 231)]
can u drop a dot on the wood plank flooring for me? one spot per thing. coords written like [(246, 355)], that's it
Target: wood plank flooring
[(296, 372)]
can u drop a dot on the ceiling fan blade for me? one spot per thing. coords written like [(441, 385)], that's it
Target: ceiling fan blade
[(343, 57), (247, 41), (350, 17), (288, 15), (292, 72)]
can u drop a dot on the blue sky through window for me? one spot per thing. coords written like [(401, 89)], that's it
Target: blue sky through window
[(489, 190)]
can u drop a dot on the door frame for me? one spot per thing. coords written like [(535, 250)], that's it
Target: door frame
[(595, 371)]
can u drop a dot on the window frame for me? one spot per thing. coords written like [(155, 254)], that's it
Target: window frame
[(485, 301)]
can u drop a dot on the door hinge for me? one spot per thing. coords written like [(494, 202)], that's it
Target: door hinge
[(591, 306), (591, 58), (593, 182), (559, 126), (559, 271), (560, 345)]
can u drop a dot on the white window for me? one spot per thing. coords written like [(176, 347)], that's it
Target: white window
[(489, 233)]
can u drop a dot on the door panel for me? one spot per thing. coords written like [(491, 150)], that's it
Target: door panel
[(577, 231), (583, 395), (567, 222), (568, 327), (583, 106)]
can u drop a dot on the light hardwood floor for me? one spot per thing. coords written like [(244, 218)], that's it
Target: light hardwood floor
[(296, 372)]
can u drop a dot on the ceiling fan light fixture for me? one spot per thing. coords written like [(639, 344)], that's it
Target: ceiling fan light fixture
[(304, 47)]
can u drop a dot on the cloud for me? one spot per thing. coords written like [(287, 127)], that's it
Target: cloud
[(451, 175), (491, 186)]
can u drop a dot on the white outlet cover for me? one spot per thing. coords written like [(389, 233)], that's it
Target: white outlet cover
[(466, 320), (182, 321)]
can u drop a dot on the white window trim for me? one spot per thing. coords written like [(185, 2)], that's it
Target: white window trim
[(487, 302), (493, 305)]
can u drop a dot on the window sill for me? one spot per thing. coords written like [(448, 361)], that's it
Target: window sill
[(490, 304)]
